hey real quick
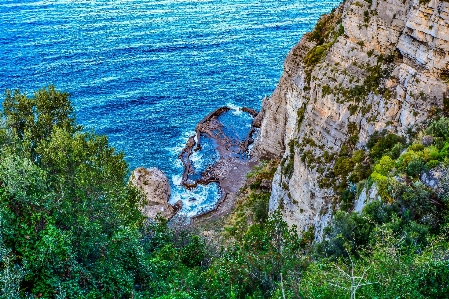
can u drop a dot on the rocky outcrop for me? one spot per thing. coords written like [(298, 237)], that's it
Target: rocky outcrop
[(233, 162), (437, 179), (156, 188), (368, 66), (229, 169)]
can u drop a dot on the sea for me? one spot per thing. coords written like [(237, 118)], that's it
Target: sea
[(145, 72)]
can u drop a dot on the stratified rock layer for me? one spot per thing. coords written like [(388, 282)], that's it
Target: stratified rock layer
[(323, 104), (156, 188)]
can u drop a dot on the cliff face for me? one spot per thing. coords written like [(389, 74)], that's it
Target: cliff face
[(368, 66)]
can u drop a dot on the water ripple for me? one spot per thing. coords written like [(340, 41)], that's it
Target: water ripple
[(144, 72)]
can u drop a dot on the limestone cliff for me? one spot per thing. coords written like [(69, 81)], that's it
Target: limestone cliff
[(368, 66)]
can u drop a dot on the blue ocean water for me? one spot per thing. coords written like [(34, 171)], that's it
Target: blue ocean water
[(144, 72)]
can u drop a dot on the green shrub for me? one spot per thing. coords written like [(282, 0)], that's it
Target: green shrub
[(343, 166), (347, 200), (383, 142), (432, 164), (415, 167), (396, 151), (439, 128), (347, 234), (315, 55), (384, 166), (416, 147), (260, 207)]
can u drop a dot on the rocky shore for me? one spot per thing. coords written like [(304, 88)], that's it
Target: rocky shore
[(228, 171), (234, 160)]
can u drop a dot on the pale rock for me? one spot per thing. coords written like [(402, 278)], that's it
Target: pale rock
[(366, 196), (155, 186), (437, 179)]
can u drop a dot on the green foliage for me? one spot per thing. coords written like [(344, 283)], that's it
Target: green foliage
[(415, 167), (325, 34), (64, 200), (11, 273), (343, 166), (348, 233), (384, 166), (32, 119), (253, 210), (252, 268), (381, 143), (322, 30), (316, 54), (439, 128), (264, 171), (70, 226), (389, 270)]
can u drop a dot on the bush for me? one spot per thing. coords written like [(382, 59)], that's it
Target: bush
[(439, 128), (384, 166), (347, 200), (347, 234), (432, 164), (415, 167), (316, 54), (68, 209), (381, 143), (343, 166)]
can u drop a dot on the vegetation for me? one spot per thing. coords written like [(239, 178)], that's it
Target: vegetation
[(70, 225), (325, 36)]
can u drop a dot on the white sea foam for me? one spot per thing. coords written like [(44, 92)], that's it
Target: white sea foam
[(176, 179), (235, 109), (181, 143), (202, 198), (196, 201)]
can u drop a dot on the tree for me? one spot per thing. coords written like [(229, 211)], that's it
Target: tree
[(65, 198)]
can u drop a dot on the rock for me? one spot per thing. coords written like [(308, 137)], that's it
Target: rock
[(311, 107), (155, 186), (177, 206), (265, 185), (437, 179), (251, 111), (233, 162), (257, 122), (366, 196), (427, 140)]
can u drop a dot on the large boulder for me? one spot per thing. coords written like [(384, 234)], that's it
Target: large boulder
[(155, 186)]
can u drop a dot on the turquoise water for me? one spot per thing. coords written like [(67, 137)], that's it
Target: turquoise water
[(145, 72)]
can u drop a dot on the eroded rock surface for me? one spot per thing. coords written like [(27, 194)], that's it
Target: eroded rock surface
[(366, 67), (156, 188)]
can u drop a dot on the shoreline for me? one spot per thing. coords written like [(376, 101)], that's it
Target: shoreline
[(230, 170)]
